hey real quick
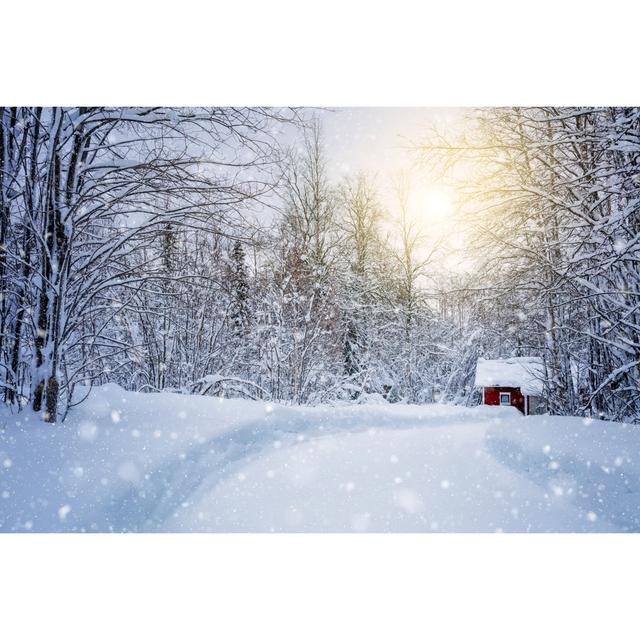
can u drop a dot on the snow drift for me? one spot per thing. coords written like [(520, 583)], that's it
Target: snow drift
[(166, 462)]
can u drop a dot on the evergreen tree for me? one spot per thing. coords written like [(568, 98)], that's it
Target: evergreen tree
[(240, 313)]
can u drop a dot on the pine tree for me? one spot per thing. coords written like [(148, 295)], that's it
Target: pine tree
[(240, 314)]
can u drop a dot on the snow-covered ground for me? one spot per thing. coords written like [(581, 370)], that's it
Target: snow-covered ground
[(164, 462)]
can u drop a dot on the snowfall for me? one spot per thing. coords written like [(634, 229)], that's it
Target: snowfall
[(128, 462)]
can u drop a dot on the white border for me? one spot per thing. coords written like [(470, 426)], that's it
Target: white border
[(329, 53), (319, 586)]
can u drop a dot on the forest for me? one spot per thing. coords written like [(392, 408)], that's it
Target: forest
[(214, 251)]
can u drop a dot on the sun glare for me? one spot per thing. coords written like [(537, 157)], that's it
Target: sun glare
[(436, 203), (431, 204)]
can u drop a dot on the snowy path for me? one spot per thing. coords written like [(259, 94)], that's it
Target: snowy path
[(128, 462)]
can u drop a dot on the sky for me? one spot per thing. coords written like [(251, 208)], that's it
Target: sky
[(378, 141)]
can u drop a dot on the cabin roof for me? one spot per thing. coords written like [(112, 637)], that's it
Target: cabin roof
[(526, 373)]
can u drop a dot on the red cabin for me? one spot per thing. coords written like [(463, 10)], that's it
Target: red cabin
[(515, 382)]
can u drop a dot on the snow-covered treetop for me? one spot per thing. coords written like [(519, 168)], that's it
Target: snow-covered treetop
[(526, 373)]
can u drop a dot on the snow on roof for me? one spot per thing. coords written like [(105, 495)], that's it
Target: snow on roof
[(526, 373)]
